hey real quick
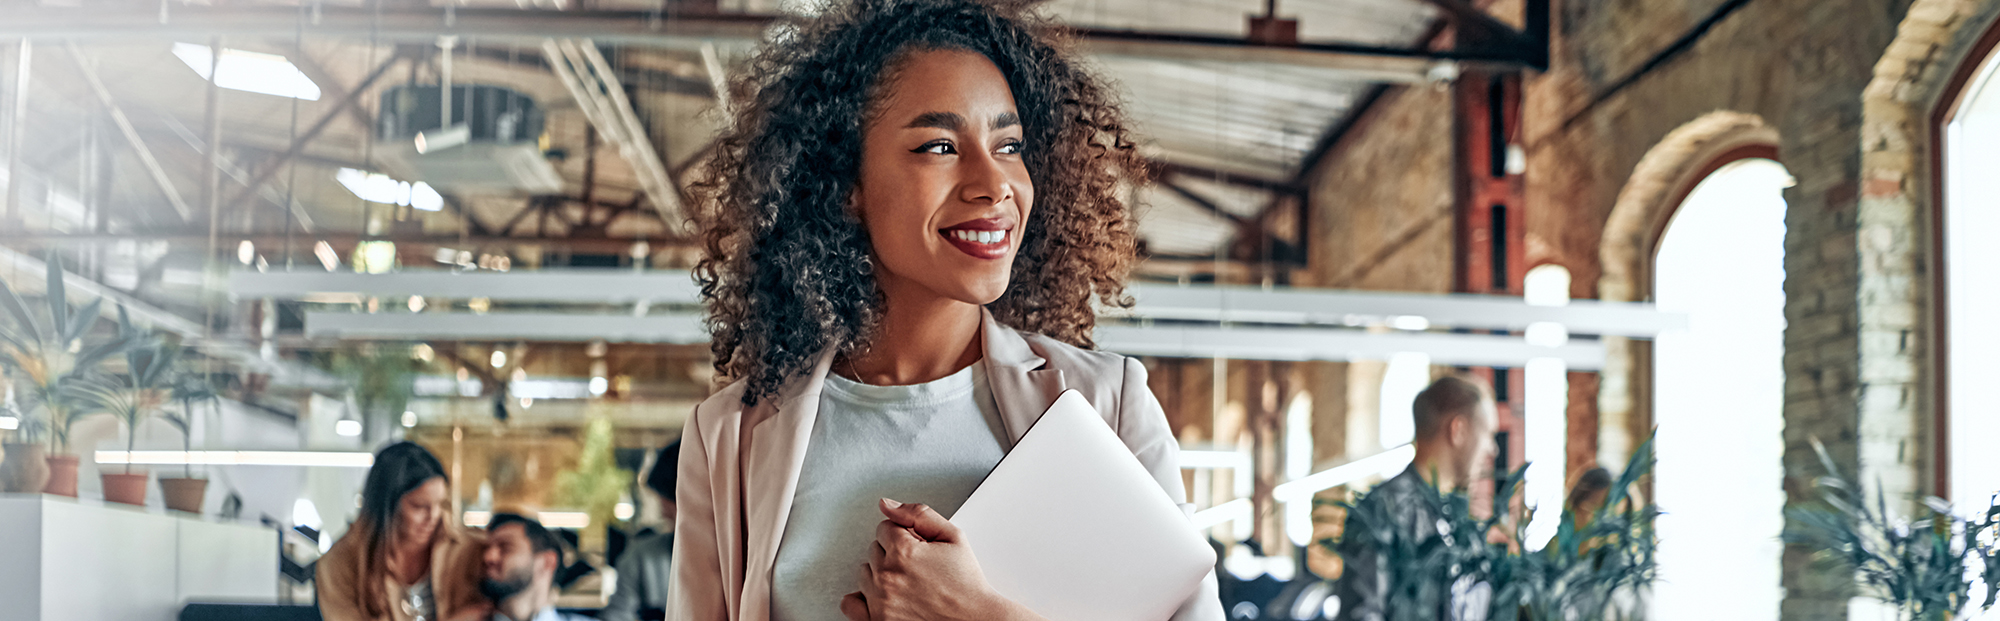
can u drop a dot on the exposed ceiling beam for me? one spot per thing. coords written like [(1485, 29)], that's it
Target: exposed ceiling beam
[(340, 241), (601, 96), (124, 123), (330, 87), (688, 32), (1357, 62), (1203, 173), (639, 77), (392, 23)]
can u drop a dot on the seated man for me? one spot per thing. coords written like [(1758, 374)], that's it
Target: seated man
[(521, 562)]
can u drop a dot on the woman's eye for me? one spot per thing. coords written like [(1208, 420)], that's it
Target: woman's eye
[(1011, 148), (941, 147)]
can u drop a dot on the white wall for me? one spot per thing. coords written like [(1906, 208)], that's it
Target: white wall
[(65, 560)]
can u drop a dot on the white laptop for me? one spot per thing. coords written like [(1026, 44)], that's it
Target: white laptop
[(1073, 527)]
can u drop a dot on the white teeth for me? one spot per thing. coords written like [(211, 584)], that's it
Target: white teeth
[(981, 237)]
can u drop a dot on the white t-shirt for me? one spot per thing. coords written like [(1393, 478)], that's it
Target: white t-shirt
[(928, 443)]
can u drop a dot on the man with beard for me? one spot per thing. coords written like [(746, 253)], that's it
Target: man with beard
[(1455, 420), (521, 562)]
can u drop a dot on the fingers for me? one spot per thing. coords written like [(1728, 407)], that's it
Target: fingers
[(870, 590), (877, 554), (897, 512), (923, 520), (888, 532), (854, 606)]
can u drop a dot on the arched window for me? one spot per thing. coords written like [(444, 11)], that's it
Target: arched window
[(1971, 220), (1719, 396)]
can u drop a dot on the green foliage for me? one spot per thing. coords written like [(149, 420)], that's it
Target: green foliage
[(1575, 576), (383, 377), (47, 356), (151, 365), (1579, 572), (596, 482), (1926, 568), (187, 388)]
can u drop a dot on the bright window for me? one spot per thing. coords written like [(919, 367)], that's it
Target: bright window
[(1971, 219), (1719, 396)]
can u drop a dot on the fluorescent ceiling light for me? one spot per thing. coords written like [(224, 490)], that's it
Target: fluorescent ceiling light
[(380, 188), (349, 428), (269, 74), (327, 459), (10, 422)]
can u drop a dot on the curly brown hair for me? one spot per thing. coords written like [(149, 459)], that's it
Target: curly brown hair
[(786, 272)]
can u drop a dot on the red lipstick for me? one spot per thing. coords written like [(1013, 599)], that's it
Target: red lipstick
[(985, 238)]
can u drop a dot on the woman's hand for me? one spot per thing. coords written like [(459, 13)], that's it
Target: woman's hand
[(920, 569)]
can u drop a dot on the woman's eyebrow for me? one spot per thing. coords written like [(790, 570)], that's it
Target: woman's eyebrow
[(951, 121), (948, 121)]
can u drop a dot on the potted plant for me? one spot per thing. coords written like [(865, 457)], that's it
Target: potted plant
[(1476, 564), (1925, 568), (24, 466), (46, 358), (186, 493), (141, 392)]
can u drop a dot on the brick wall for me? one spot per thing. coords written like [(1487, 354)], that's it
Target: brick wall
[(1382, 200), (1845, 90)]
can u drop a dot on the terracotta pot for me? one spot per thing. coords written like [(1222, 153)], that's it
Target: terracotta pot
[(126, 488), (25, 470), (184, 494), (62, 476)]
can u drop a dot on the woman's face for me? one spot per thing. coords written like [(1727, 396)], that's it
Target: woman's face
[(943, 190), (422, 511)]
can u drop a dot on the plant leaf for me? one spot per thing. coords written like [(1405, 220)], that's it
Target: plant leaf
[(19, 309), (82, 321), (58, 295)]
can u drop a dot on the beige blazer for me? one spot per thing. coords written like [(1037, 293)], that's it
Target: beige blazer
[(739, 466), (457, 565)]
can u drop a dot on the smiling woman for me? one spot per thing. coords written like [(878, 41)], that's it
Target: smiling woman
[(905, 230), (788, 274)]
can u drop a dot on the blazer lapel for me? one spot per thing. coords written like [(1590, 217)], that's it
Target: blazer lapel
[(1023, 386), (776, 450)]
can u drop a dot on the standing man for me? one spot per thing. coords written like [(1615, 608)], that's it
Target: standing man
[(521, 562), (646, 567), (1455, 420)]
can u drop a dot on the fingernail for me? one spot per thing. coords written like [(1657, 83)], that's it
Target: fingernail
[(892, 504)]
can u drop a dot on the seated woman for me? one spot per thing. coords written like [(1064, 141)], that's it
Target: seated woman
[(405, 558), (905, 230)]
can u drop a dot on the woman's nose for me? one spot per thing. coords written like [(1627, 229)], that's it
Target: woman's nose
[(984, 181)]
